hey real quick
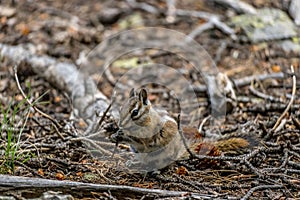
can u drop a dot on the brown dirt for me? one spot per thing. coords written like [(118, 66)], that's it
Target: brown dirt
[(53, 157)]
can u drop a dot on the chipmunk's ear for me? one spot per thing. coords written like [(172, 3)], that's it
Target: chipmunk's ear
[(132, 93), (143, 96)]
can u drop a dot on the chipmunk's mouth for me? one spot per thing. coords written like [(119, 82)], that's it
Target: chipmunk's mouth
[(119, 136)]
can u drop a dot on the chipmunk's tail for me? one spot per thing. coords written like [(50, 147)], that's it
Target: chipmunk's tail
[(236, 145), (232, 144)]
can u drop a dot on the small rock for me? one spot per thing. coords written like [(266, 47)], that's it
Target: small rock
[(7, 11), (268, 24), (294, 11), (110, 15), (289, 46)]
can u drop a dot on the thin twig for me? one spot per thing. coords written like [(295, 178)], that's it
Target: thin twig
[(262, 95), (243, 81), (291, 100), (197, 14), (143, 6), (28, 168), (106, 111), (219, 52), (97, 147), (260, 187), (280, 125), (238, 6), (200, 129), (30, 103), (296, 122), (200, 29), (171, 12), (214, 21), (182, 137)]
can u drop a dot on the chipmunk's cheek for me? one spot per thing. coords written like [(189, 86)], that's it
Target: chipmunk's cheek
[(144, 122), (125, 122), (131, 130)]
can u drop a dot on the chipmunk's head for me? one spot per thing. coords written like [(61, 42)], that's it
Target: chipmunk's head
[(135, 112)]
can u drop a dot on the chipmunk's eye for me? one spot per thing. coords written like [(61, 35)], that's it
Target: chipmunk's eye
[(134, 113)]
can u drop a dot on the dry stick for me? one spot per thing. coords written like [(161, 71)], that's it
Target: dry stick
[(294, 154), (243, 81), (197, 14), (261, 187), (238, 6), (38, 183), (293, 164), (213, 21), (171, 12), (107, 110), (94, 143), (219, 52), (182, 137), (296, 122), (263, 96), (187, 182), (200, 29), (56, 124), (224, 28), (261, 77), (28, 168), (115, 149), (143, 6), (280, 126), (200, 129), (291, 100)]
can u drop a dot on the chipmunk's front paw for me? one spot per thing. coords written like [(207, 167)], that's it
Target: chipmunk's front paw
[(132, 163), (117, 137)]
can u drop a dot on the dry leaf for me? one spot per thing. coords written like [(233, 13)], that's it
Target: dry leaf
[(57, 99), (276, 68), (18, 97), (23, 29), (82, 124), (181, 171), (79, 174), (59, 176), (41, 172)]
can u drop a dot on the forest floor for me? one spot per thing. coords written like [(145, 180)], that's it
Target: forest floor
[(32, 147)]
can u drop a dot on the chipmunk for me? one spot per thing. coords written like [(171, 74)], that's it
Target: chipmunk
[(154, 135)]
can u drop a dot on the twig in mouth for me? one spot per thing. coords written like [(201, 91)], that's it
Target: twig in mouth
[(182, 137), (106, 111)]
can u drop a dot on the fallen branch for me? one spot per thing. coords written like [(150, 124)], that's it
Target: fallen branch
[(238, 6), (243, 81), (64, 76), (38, 183)]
